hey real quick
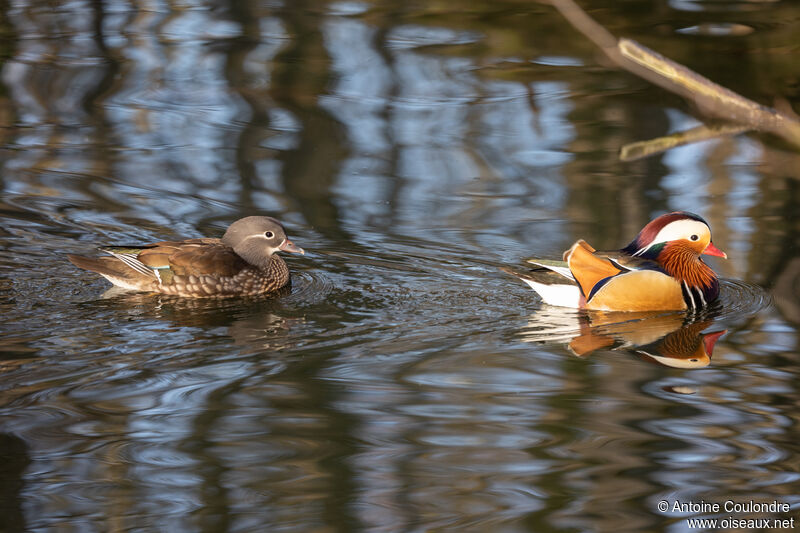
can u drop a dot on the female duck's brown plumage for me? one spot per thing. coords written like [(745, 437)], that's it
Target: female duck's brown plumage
[(242, 263), (660, 269)]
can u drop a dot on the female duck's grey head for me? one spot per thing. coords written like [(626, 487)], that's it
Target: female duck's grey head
[(255, 239)]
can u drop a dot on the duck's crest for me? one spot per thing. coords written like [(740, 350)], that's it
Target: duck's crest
[(648, 234)]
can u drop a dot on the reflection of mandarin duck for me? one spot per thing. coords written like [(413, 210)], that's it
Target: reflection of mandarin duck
[(684, 348), (662, 339), (660, 269), (242, 263)]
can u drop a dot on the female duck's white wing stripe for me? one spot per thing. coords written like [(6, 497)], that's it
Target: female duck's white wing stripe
[(134, 263)]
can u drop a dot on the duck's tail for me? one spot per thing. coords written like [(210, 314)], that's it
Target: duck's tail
[(114, 271), (552, 285)]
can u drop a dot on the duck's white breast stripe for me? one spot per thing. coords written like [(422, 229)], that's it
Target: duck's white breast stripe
[(688, 292), (702, 296)]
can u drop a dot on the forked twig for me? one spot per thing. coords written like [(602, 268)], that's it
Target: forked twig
[(710, 98)]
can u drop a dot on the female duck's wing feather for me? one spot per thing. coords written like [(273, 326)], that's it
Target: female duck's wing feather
[(130, 257), (117, 272), (162, 261), (195, 257)]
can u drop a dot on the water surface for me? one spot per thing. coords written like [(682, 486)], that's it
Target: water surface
[(404, 383)]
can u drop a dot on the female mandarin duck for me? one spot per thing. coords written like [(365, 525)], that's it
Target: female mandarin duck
[(660, 270), (242, 263)]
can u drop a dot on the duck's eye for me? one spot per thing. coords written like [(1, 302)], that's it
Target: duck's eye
[(694, 237), (270, 235)]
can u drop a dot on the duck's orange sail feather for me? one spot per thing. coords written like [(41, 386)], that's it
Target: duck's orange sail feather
[(588, 268)]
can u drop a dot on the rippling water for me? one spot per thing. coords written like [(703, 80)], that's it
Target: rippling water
[(403, 383)]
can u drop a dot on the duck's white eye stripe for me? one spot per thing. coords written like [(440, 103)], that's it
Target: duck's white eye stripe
[(682, 229)]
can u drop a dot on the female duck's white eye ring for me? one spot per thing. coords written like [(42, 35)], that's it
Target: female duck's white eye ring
[(270, 235)]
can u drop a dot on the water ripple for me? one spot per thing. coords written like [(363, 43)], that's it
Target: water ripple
[(739, 299), (309, 286)]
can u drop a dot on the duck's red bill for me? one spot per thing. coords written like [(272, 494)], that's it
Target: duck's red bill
[(710, 339), (713, 250)]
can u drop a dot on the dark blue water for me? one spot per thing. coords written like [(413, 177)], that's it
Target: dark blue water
[(405, 383)]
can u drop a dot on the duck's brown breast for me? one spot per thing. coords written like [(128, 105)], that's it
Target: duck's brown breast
[(249, 281)]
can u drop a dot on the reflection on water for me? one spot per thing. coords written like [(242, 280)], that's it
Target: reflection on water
[(676, 339), (669, 339), (415, 149)]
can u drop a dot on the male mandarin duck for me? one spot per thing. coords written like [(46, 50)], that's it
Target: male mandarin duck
[(660, 270), (242, 263)]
